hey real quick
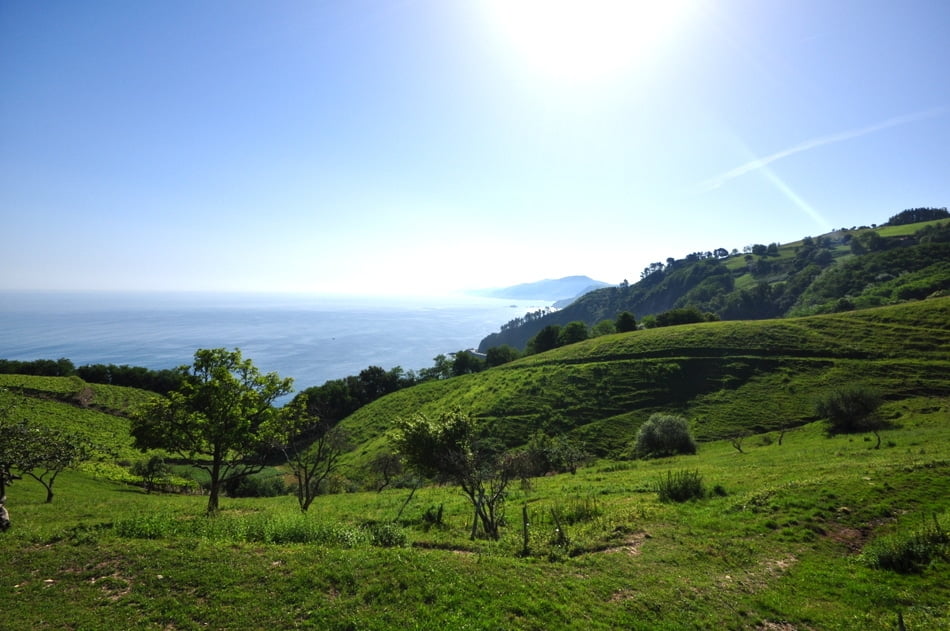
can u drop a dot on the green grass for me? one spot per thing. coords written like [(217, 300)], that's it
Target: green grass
[(785, 545), (788, 535), (725, 377)]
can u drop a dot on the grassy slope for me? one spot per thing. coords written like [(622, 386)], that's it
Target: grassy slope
[(780, 551), (726, 377), (95, 411)]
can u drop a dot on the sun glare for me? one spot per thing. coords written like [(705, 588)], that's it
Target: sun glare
[(586, 40)]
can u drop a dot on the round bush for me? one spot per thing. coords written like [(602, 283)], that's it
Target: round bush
[(664, 435)]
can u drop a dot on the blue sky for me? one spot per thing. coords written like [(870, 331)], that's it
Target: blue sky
[(426, 146)]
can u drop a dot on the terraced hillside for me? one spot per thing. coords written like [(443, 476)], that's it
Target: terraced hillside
[(728, 378)]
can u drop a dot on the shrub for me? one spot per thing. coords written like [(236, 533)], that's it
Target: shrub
[(849, 409), (262, 485), (664, 435), (680, 486), (386, 534), (154, 472), (910, 552)]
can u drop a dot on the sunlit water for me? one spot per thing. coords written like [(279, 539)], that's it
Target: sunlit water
[(310, 338)]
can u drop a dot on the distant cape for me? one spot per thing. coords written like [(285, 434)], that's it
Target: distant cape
[(552, 290)]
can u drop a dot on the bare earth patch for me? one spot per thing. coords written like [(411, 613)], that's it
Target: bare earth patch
[(631, 545)]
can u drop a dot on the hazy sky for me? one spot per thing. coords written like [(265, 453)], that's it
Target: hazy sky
[(422, 146)]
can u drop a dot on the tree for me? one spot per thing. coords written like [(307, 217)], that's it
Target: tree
[(851, 409), (546, 339), (467, 362), (572, 333), (450, 448), (215, 419), (664, 435), (13, 444), (626, 322), (441, 369), (154, 472), (385, 466), (312, 448), (604, 327), (498, 355), (48, 452)]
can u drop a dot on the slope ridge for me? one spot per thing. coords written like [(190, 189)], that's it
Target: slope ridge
[(726, 377)]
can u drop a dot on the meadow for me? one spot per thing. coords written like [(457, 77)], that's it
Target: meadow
[(785, 539), (794, 529)]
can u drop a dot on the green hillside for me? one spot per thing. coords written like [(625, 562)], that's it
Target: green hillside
[(728, 378), (797, 531), (838, 271), (96, 412)]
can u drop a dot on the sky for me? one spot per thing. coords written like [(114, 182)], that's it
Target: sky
[(417, 147)]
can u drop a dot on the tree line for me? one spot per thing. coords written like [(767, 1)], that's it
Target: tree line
[(160, 381)]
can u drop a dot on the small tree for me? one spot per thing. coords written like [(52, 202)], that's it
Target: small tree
[(498, 355), (572, 333), (49, 453), (664, 435), (312, 448), (626, 322), (385, 467), (154, 472), (451, 449), (215, 419), (851, 409)]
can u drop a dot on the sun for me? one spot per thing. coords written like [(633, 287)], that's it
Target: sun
[(586, 40)]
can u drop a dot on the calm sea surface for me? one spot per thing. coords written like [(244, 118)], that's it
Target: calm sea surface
[(310, 338)]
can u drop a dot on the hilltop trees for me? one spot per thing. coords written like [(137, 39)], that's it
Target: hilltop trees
[(915, 215), (215, 419)]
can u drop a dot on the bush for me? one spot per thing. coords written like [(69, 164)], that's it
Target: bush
[(664, 435), (680, 486), (262, 485), (386, 534), (850, 409), (909, 553)]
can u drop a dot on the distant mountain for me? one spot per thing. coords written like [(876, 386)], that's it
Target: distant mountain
[(560, 289)]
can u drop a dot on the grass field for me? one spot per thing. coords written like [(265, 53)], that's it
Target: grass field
[(797, 531), (782, 546)]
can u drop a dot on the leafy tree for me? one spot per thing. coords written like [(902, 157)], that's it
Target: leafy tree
[(215, 419), (38, 452), (572, 333), (604, 327), (441, 369), (312, 448), (498, 355), (385, 466), (153, 471), (450, 448), (54, 451), (851, 409), (626, 322), (664, 435), (13, 444), (546, 339), (466, 362)]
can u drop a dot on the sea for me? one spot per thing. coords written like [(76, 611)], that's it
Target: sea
[(310, 338)]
